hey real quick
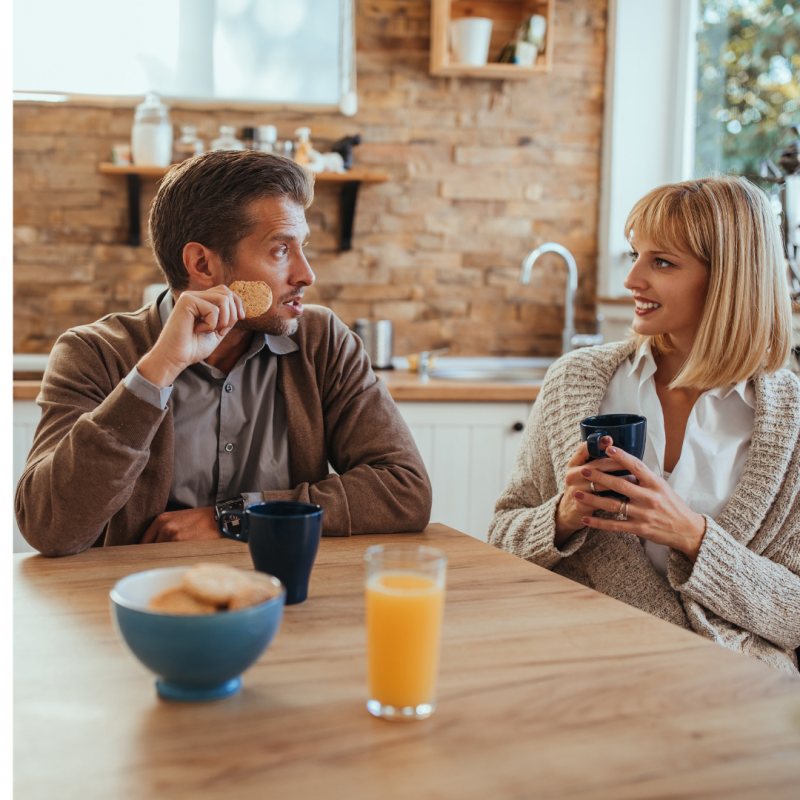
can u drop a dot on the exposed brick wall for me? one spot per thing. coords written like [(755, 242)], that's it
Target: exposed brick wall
[(482, 172)]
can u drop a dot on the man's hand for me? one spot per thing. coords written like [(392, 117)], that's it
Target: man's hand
[(189, 525), (198, 323)]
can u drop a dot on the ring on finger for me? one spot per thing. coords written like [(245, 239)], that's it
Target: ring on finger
[(622, 514), (594, 489)]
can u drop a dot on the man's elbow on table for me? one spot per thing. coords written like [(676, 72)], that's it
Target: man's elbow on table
[(43, 534)]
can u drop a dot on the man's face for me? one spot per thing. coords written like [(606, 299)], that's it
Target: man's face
[(273, 253)]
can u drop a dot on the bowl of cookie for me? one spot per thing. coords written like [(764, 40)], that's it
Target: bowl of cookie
[(197, 628)]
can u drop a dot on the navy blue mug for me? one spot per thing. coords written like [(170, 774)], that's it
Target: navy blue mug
[(283, 537), (629, 432)]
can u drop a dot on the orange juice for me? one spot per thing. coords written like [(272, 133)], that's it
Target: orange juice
[(404, 621)]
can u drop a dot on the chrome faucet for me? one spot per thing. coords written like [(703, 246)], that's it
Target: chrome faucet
[(568, 339)]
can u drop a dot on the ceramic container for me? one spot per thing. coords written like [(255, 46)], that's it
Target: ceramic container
[(195, 658)]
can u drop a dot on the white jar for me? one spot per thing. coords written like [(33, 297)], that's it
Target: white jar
[(151, 137)]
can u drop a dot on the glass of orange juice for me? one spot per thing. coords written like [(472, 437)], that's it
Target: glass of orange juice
[(405, 601)]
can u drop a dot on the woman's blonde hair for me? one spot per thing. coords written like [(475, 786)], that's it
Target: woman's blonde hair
[(727, 223)]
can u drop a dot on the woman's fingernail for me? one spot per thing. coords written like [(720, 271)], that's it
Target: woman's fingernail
[(585, 520), (606, 439), (587, 473), (611, 450), (579, 495)]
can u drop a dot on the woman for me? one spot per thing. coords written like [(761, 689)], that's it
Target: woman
[(710, 539)]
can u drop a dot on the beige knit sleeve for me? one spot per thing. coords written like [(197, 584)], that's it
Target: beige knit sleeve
[(758, 595), (524, 515)]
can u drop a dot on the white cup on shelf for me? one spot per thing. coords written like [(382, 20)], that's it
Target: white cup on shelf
[(469, 38)]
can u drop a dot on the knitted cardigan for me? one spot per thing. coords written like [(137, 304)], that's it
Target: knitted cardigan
[(743, 591)]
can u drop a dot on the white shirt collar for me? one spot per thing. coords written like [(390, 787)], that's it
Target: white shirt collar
[(280, 345), (644, 362)]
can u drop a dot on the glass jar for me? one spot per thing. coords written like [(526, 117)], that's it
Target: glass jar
[(267, 136), (151, 136), (227, 139), (188, 145)]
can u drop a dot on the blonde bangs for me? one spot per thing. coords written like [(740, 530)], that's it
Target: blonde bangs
[(727, 223)]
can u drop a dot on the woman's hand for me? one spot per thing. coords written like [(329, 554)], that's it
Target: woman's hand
[(572, 507), (655, 511)]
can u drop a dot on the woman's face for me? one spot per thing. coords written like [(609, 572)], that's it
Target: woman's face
[(669, 288)]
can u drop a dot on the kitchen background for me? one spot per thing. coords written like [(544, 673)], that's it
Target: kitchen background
[(481, 171)]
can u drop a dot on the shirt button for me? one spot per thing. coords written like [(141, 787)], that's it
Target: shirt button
[(229, 447), (229, 388)]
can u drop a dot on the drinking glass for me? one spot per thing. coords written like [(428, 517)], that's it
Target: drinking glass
[(405, 599)]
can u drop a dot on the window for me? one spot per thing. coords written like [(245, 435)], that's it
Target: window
[(242, 50), (748, 82)]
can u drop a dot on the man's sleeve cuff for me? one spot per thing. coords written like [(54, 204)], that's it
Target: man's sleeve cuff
[(142, 388)]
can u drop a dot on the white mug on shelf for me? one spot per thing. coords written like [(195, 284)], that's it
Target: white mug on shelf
[(469, 37)]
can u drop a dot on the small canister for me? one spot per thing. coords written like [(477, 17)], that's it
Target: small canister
[(378, 340)]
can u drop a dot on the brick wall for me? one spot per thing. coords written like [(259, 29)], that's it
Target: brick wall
[(482, 172)]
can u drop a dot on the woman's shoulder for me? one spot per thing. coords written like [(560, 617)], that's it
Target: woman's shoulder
[(593, 364), (778, 394)]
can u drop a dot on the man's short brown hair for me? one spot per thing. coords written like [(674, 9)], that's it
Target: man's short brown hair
[(207, 199)]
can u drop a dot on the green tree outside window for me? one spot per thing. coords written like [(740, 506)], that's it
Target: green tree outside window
[(748, 82)]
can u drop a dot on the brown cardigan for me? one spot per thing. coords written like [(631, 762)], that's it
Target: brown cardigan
[(102, 457)]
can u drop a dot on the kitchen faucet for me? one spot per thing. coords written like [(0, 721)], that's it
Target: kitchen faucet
[(569, 340)]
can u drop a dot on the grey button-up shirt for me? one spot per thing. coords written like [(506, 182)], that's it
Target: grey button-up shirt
[(231, 434)]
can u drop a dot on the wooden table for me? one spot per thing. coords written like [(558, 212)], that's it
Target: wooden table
[(547, 689)]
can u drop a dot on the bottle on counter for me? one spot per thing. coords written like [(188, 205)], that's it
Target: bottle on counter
[(188, 145), (303, 147), (267, 136), (151, 136), (249, 138), (227, 139)]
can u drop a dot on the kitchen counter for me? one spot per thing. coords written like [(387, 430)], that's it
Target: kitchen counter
[(403, 386)]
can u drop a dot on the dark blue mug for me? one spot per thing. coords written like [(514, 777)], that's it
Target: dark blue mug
[(629, 432), (283, 537)]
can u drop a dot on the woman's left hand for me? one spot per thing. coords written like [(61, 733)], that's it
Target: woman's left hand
[(655, 511)]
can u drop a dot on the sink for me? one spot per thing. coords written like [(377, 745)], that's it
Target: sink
[(502, 370)]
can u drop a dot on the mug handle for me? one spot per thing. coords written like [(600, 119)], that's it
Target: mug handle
[(238, 524), (591, 440)]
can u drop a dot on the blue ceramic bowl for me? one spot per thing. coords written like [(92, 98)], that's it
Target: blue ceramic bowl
[(195, 658)]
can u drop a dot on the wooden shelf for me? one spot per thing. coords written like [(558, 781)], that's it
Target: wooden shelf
[(361, 175), (349, 181), (506, 15)]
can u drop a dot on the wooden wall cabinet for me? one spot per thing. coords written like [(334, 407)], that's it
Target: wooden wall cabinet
[(506, 16)]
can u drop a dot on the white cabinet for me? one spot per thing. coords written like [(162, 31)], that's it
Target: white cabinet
[(26, 418), (469, 451)]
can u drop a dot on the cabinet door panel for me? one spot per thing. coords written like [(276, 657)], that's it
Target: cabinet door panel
[(450, 478), (487, 479), (26, 418)]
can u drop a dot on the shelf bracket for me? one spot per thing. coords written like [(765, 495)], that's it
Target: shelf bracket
[(348, 207), (134, 209)]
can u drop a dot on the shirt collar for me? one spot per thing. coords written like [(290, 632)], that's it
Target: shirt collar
[(280, 345), (644, 362)]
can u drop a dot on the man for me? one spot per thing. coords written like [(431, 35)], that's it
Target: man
[(152, 421)]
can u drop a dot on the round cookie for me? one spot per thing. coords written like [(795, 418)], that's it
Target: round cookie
[(176, 600), (214, 583), (259, 589), (256, 297)]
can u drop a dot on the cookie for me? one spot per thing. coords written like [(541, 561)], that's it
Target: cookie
[(256, 297), (176, 600), (259, 589), (214, 583)]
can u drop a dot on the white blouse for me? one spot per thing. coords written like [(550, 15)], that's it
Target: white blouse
[(715, 444)]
